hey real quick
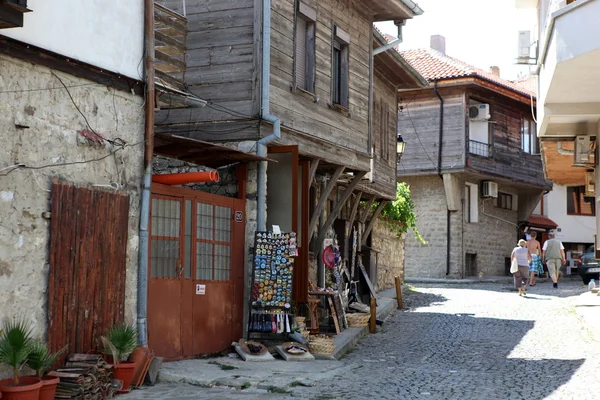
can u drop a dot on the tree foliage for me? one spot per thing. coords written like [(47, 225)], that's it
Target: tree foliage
[(399, 215)]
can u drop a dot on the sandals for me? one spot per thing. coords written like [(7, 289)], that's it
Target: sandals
[(532, 284)]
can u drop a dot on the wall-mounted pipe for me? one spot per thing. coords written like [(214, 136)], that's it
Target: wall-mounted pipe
[(190, 177), (142, 281), (439, 170), (261, 148)]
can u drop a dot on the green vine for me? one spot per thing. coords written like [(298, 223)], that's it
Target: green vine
[(399, 215)]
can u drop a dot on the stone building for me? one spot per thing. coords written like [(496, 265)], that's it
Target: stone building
[(473, 165), (72, 128)]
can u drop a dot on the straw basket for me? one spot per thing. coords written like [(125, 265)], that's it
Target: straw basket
[(358, 319), (321, 344)]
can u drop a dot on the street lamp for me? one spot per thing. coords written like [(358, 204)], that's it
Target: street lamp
[(400, 146)]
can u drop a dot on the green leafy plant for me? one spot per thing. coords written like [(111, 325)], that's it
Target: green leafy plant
[(120, 341), (15, 345), (399, 215), (41, 359)]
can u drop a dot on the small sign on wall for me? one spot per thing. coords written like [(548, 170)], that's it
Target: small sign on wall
[(201, 289)]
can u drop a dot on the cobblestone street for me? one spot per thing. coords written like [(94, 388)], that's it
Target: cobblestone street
[(477, 341)]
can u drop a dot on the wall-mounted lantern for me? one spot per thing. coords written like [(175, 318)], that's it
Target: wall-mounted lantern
[(400, 146)]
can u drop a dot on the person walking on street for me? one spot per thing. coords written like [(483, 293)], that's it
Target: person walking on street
[(521, 254), (535, 267), (553, 253)]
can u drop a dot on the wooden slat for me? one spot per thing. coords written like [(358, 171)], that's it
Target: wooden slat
[(367, 210), (169, 60), (88, 256), (314, 164), (169, 40)]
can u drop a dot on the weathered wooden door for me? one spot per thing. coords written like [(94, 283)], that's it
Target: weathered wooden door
[(196, 272), (166, 275), (88, 258)]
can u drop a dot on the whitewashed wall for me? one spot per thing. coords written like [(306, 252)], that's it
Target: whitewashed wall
[(573, 228), (105, 33)]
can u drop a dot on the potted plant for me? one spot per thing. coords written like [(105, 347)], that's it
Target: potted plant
[(40, 359), (120, 341), (15, 345)]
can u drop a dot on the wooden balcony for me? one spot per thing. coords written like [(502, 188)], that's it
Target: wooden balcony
[(170, 34)]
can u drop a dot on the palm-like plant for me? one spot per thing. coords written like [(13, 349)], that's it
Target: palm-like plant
[(120, 341), (41, 359), (15, 345)]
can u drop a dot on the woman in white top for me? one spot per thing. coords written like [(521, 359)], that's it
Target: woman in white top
[(523, 257)]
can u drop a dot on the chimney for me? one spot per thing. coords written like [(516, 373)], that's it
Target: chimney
[(438, 42), (495, 70)]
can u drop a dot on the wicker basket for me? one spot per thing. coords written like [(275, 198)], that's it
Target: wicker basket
[(321, 345), (358, 319)]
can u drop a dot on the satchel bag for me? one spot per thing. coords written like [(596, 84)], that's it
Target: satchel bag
[(514, 265)]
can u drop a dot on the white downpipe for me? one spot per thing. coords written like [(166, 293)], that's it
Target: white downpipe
[(261, 145)]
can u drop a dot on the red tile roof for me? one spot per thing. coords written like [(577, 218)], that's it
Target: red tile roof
[(541, 222), (434, 65)]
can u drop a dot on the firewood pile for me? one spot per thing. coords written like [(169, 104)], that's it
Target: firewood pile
[(85, 377)]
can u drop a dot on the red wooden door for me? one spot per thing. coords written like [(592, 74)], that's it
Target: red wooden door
[(166, 270), (195, 297)]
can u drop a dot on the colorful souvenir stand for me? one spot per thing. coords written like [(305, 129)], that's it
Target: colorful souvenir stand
[(273, 269)]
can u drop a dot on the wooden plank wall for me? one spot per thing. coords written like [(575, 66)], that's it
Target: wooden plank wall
[(418, 123), (86, 285), (507, 159), (299, 111), (221, 62), (384, 171)]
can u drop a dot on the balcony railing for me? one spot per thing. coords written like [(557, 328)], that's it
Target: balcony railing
[(480, 148), (170, 34)]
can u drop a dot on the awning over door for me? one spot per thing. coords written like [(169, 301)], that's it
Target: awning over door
[(208, 154)]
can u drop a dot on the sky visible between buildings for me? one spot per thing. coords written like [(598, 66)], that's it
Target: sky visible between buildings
[(479, 32)]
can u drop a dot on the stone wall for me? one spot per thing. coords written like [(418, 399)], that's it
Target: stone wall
[(390, 257), (491, 239), (39, 126)]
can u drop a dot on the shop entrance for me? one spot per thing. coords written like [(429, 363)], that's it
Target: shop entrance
[(195, 287)]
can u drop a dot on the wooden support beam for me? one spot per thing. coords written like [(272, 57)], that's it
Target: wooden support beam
[(314, 164), (323, 201), (354, 210), (369, 227), (363, 218), (338, 207)]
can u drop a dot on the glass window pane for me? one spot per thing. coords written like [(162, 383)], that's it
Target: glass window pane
[(164, 256), (204, 221), (204, 261), (223, 224), (222, 262), (166, 215)]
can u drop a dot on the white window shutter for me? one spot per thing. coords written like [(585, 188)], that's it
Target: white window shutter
[(300, 60)]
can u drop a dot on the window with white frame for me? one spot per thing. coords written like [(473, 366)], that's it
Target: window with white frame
[(340, 68), (304, 48), (529, 140), (471, 211)]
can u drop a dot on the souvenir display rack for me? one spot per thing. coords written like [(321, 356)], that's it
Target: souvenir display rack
[(271, 294)]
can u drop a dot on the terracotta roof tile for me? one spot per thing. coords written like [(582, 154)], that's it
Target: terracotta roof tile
[(434, 65), (541, 222)]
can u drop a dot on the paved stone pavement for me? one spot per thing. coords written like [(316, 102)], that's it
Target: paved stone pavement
[(471, 341)]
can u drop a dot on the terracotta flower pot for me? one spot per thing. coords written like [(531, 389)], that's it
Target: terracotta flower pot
[(48, 389), (124, 372), (28, 389)]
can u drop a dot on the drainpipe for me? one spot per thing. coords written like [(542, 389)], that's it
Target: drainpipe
[(142, 285), (261, 145), (439, 170)]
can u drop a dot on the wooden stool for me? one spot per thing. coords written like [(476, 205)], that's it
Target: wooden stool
[(313, 309)]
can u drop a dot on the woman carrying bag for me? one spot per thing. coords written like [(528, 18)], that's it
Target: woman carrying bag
[(519, 266)]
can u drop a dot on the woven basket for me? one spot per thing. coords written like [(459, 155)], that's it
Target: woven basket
[(321, 345), (358, 319)]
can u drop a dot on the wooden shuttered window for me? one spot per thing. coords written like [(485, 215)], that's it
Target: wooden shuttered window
[(304, 52), (384, 130), (340, 67), (578, 203)]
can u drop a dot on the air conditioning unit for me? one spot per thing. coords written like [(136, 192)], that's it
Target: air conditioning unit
[(479, 111), (489, 189), (584, 151), (524, 44)]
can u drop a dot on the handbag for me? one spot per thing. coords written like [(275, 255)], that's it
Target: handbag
[(514, 265)]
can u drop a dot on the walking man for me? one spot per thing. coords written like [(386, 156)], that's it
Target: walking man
[(535, 267), (553, 253)]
